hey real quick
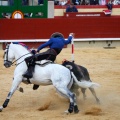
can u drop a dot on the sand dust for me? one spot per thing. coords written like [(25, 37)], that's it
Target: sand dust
[(93, 111), (45, 104)]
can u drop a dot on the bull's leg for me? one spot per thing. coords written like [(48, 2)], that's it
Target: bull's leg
[(75, 89), (94, 94), (83, 91)]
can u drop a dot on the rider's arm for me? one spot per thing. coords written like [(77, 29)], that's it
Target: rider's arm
[(70, 37), (44, 45)]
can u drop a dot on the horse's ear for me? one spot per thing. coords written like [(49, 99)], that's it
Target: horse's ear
[(6, 43)]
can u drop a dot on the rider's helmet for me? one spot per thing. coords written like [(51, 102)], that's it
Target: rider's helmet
[(57, 34)]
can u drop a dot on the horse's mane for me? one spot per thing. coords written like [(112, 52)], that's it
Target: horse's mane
[(23, 45)]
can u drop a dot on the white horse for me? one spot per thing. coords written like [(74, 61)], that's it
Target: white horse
[(55, 74)]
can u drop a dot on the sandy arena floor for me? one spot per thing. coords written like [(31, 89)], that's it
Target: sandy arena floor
[(103, 66)]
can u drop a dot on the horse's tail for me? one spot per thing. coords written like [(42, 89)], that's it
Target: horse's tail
[(84, 84)]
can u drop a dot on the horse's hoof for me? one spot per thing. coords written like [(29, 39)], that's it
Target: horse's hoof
[(1, 108), (35, 87), (70, 110), (76, 109), (21, 89), (98, 101)]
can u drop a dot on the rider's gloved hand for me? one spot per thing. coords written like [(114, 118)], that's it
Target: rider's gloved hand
[(33, 52), (72, 34)]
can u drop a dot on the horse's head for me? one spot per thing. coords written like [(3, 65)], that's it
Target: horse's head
[(8, 56)]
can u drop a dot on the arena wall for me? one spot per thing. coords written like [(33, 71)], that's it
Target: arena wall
[(83, 27)]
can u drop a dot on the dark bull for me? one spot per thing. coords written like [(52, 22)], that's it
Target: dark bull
[(81, 74)]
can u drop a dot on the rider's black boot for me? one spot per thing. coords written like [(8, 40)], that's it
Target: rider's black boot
[(29, 73), (31, 65)]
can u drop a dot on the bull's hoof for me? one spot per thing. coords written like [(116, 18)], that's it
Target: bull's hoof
[(98, 101)]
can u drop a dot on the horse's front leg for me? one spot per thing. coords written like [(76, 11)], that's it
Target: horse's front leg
[(14, 87), (6, 102)]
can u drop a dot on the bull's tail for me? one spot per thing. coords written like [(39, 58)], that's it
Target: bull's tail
[(84, 84)]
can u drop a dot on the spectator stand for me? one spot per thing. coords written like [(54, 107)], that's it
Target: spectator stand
[(87, 9)]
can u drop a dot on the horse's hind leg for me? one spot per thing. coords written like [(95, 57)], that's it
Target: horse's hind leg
[(75, 105), (83, 91), (94, 94), (67, 93)]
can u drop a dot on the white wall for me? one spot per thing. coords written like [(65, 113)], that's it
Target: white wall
[(50, 9), (3, 3)]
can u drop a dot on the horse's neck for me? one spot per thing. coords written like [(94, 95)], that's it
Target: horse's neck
[(20, 52)]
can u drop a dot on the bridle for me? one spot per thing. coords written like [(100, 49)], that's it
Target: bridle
[(6, 53), (6, 60)]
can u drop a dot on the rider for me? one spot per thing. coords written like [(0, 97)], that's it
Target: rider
[(56, 44)]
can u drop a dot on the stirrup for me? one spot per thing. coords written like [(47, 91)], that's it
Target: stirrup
[(27, 75)]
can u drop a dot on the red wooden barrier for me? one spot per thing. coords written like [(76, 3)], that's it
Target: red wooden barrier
[(84, 27)]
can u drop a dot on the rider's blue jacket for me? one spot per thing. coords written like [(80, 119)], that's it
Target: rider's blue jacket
[(57, 43)]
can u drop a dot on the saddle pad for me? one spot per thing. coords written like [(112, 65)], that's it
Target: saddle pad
[(43, 62)]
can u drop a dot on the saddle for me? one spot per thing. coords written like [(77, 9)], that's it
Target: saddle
[(43, 62)]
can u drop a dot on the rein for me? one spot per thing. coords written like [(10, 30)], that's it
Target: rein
[(18, 59)]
